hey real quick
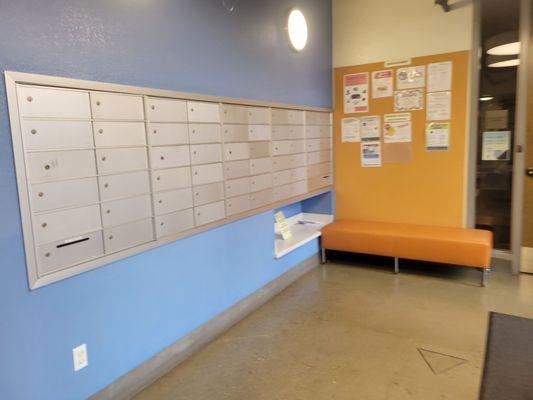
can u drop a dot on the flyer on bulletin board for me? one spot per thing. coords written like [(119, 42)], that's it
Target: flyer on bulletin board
[(370, 128), (410, 77), (496, 146), (437, 136), (356, 93), (371, 154), (440, 76), (397, 128), (382, 84), (438, 106), (350, 130), (407, 100)]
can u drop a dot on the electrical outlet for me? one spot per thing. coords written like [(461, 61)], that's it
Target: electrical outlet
[(79, 356)]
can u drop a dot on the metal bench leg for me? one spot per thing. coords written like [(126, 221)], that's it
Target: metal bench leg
[(323, 255), (396, 265), (484, 277)]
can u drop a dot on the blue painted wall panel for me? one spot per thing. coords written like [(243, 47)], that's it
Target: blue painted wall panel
[(129, 310)]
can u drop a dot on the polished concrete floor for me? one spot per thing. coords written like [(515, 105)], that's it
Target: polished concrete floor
[(353, 330)]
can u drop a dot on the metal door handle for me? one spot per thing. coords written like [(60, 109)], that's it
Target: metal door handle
[(529, 171)]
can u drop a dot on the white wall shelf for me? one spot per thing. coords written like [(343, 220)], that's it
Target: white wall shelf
[(305, 227)]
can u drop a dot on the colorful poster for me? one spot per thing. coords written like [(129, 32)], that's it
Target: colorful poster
[(437, 136), (496, 146), (410, 77), (370, 128), (356, 93), (397, 132), (350, 130), (371, 154), (438, 106), (406, 100), (439, 76), (382, 84)]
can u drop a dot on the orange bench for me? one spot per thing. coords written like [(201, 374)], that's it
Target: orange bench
[(459, 246)]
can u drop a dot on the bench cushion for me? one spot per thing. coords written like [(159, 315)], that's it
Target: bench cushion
[(469, 247)]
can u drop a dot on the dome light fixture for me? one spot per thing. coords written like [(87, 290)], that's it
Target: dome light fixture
[(503, 44), (502, 62), (297, 28), (486, 98)]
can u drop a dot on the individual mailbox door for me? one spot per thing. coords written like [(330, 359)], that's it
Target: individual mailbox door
[(298, 174), (128, 235), (259, 115), (319, 169), (234, 114), (281, 177), (259, 132), (259, 149), (298, 188), (210, 193), (173, 223), (260, 182), (37, 101), (319, 181), (209, 213), (109, 134), (48, 165), (204, 133), (65, 224), (199, 111), (208, 173), (173, 200), (237, 169), (316, 132), (123, 185), (111, 161), (236, 151), (237, 205), (260, 165), (298, 146), (260, 199), (282, 162), (281, 147), (282, 132), (236, 187), (206, 153), (166, 110), (298, 160), (318, 157), (116, 106), (66, 253), (174, 178), (235, 133), (42, 135), (119, 212), (287, 117), (164, 134), (317, 118), (282, 192), (170, 156), (61, 194)]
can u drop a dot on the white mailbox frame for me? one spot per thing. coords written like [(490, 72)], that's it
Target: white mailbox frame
[(12, 79)]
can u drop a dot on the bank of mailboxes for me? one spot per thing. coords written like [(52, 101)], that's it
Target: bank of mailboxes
[(110, 171)]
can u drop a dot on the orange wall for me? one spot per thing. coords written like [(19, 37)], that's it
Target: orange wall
[(428, 190)]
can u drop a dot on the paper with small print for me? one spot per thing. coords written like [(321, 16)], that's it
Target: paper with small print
[(382, 84), (410, 77), (437, 136), (350, 130), (356, 93), (370, 154), (406, 100), (438, 106), (397, 128), (370, 128), (439, 76)]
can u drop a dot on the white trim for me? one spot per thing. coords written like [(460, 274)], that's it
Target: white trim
[(527, 259)]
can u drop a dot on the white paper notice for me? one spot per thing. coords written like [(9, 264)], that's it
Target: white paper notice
[(350, 130), (370, 128), (440, 76), (371, 154), (398, 117), (382, 84), (406, 100), (410, 77), (437, 136), (397, 132), (356, 93), (496, 146), (438, 106)]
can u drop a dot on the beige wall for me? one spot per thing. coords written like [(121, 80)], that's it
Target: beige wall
[(366, 31)]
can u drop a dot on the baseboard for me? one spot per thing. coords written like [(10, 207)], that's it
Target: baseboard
[(148, 372)]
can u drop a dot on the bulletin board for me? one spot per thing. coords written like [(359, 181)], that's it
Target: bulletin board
[(412, 185)]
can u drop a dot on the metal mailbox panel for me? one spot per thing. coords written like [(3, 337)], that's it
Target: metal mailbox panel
[(237, 205), (209, 213), (206, 153), (173, 223), (260, 165), (170, 156), (281, 177), (261, 182), (236, 187), (37, 101), (210, 193), (208, 173), (50, 165), (260, 199), (237, 169), (109, 134), (174, 178), (164, 134), (128, 235), (119, 212), (258, 132), (166, 110), (42, 135), (61, 194), (204, 133), (115, 106), (199, 111), (318, 157), (259, 115), (123, 185), (234, 114), (235, 133), (111, 161), (236, 151), (173, 200), (298, 174), (259, 149)]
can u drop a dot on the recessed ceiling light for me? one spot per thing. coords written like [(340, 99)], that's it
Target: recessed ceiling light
[(297, 27), (506, 49), (486, 98), (513, 62)]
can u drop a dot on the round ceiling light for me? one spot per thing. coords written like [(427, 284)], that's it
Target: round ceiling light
[(507, 49), (486, 98), (503, 44), (297, 27), (502, 63)]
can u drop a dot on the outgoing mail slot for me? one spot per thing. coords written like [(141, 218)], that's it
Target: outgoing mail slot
[(166, 110), (260, 182), (108, 134), (61, 194), (65, 224), (67, 253), (171, 224), (206, 153), (115, 106), (121, 211), (259, 149), (164, 134), (111, 161), (236, 169), (170, 156), (48, 165), (209, 213), (123, 185), (199, 111), (38, 101), (210, 193), (236, 187), (174, 178), (208, 173), (236, 151), (258, 132), (238, 205), (128, 235), (173, 200), (260, 165), (232, 114), (42, 135), (204, 133), (235, 133)]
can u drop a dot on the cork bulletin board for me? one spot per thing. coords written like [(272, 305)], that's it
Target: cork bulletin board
[(412, 185)]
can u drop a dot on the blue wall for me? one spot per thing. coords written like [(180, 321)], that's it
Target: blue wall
[(129, 310)]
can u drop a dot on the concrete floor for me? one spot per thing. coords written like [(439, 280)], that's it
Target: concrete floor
[(353, 330)]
